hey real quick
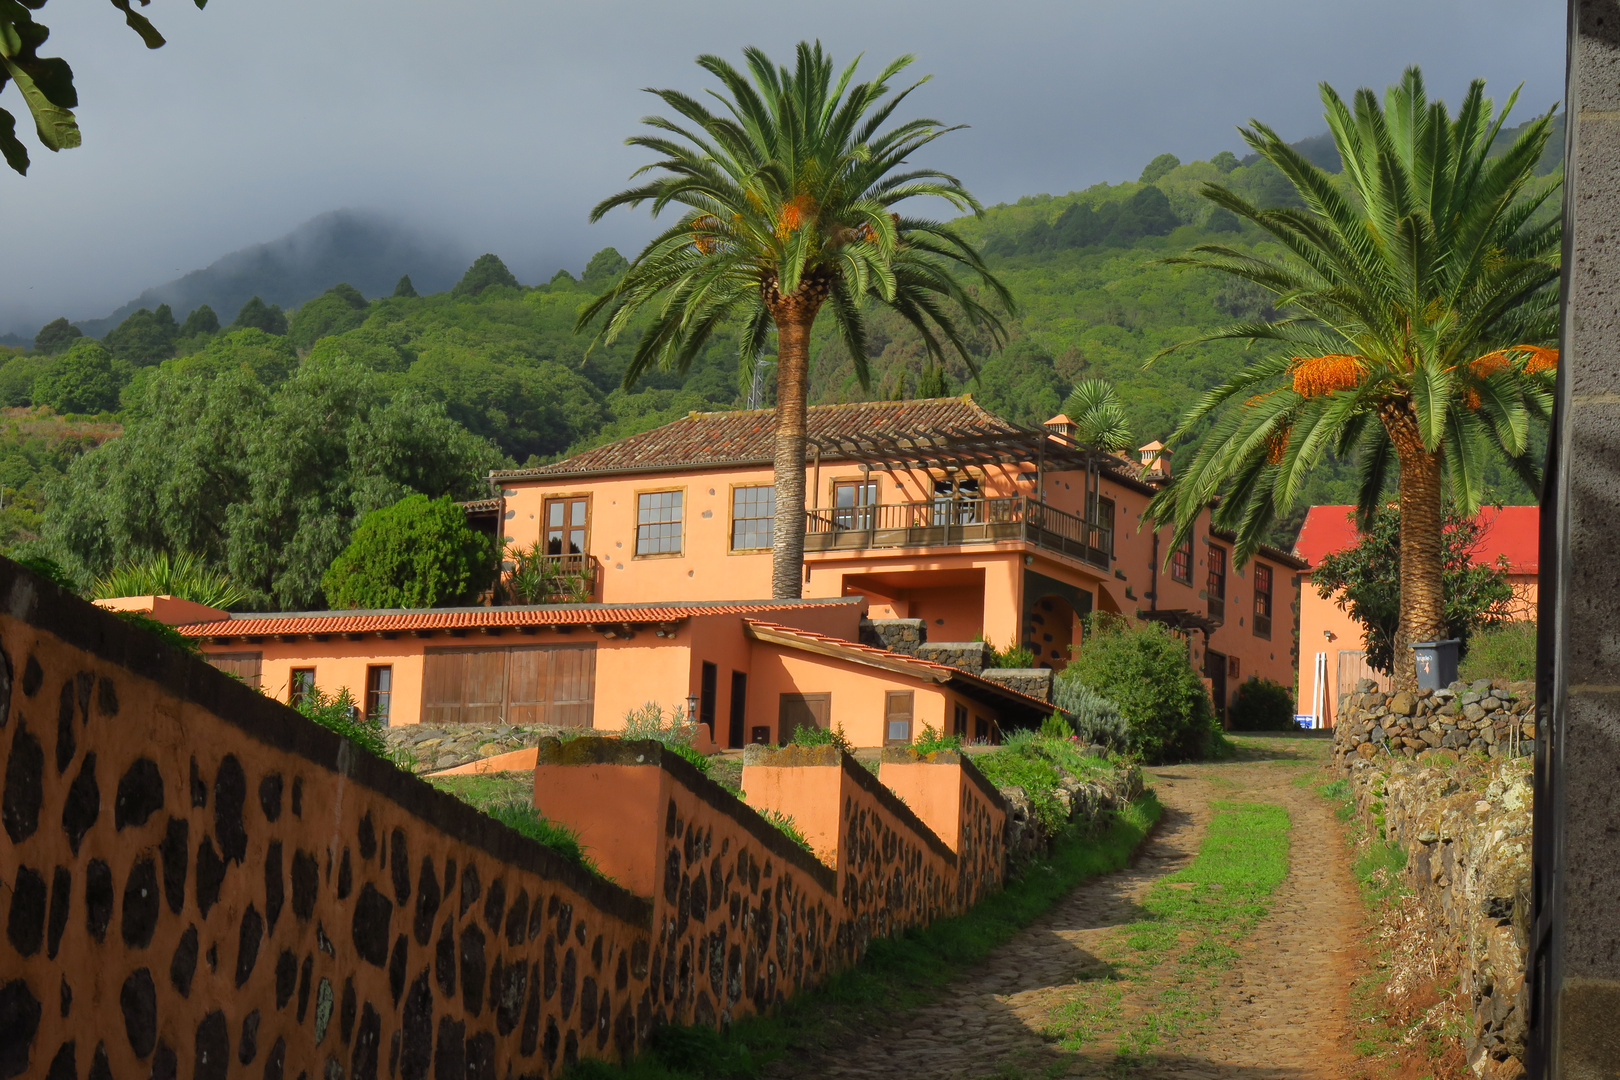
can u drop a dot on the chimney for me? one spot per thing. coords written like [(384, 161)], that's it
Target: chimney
[(1060, 425), (1155, 461)]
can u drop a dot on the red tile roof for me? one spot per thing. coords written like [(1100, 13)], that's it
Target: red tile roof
[(746, 437), (355, 622), (925, 668), (1513, 531)]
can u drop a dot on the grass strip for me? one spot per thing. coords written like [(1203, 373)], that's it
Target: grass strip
[(1187, 936), (895, 975), (508, 798)]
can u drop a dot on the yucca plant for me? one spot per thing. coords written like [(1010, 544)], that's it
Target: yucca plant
[(788, 192), (184, 575), (1418, 305)]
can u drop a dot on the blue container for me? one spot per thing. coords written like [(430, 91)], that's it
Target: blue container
[(1436, 663)]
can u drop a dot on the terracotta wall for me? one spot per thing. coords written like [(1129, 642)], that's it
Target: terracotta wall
[(961, 806), (199, 882)]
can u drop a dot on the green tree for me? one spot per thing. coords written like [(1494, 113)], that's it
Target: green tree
[(486, 271), (1474, 597), (85, 379), (46, 83), (605, 267), (56, 336), (263, 481), (144, 338), (1158, 168), (416, 553), (257, 315), (789, 193), (202, 320), (1225, 161), (1021, 384), (1418, 305), (1145, 671), (338, 309), (404, 288), (17, 379)]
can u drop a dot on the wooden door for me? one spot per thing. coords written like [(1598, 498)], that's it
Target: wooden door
[(897, 711), (802, 710), (573, 685), (444, 675), (737, 736), (247, 666), (486, 687), (528, 678)]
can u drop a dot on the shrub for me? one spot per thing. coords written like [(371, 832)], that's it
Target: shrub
[(185, 576), (1096, 719), (85, 379), (819, 736), (931, 741), (524, 818), (338, 712), (1013, 656), (788, 827), (1056, 727), (1145, 670), (1263, 705), (1507, 651), (675, 731), (416, 553)]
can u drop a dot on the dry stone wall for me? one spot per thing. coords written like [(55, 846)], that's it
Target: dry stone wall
[(1492, 717), (1465, 826)]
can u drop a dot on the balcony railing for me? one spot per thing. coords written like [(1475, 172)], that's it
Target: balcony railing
[(550, 579), (948, 522)]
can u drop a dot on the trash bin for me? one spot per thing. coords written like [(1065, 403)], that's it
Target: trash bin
[(1436, 663)]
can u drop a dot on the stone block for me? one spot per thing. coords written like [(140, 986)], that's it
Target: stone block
[(1403, 704), (896, 635), (1036, 682), (972, 656)]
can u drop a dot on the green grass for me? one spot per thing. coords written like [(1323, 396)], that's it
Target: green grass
[(509, 799), (1186, 937), (1037, 765), (896, 974)]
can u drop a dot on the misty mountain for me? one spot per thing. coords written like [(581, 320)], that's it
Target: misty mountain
[(369, 251)]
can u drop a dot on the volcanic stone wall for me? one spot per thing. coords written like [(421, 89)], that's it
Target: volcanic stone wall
[(197, 881), (1492, 717)]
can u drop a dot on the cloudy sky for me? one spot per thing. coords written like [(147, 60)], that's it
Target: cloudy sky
[(498, 123)]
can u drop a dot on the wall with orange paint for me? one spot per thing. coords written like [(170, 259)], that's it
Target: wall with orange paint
[(858, 692)]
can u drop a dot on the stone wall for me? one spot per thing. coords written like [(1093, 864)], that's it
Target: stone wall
[(1496, 718), (1087, 803), (972, 656), (896, 635), (1036, 682), (1466, 831)]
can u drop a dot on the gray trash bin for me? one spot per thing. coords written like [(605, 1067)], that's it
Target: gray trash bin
[(1436, 663)]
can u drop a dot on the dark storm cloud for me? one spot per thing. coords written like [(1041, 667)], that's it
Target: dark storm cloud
[(498, 124)]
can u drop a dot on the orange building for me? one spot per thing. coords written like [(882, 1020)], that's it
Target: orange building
[(931, 510), (1331, 656)]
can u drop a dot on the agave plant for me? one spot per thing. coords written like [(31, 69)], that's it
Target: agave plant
[(1419, 307), (790, 192), (184, 575)]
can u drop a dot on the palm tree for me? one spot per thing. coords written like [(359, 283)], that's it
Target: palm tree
[(1417, 291), (788, 191), (1097, 423)]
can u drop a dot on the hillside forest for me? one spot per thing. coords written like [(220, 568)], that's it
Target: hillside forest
[(258, 443)]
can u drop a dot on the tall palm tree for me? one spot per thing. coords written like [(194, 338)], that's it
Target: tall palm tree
[(1097, 419), (1417, 292), (788, 190)]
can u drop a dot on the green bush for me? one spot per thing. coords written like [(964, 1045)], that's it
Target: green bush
[(819, 736), (787, 827), (1263, 705), (186, 576), (1507, 651), (931, 741), (1096, 719), (676, 731), (416, 553), (85, 379), (1145, 670), (338, 712)]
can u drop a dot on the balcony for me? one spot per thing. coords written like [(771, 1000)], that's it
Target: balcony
[(537, 578), (947, 522)]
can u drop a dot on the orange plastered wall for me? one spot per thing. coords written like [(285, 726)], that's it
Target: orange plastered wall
[(342, 664), (859, 692), (236, 883)]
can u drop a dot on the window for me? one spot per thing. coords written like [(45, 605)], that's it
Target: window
[(1216, 589), (1262, 600), (959, 721), (658, 523), (897, 707), (962, 494), (852, 503), (1102, 522), (753, 512), (567, 525), (1181, 563), (301, 686), (379, 688)]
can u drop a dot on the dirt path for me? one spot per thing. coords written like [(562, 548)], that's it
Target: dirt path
[(1280, 1012)]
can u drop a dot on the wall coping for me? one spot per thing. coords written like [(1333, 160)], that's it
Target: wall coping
[(905, 755), (793, 757), (47, 607), (597, 750)]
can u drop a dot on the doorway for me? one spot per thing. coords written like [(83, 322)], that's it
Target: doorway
[(1215, 672), (739, 710)]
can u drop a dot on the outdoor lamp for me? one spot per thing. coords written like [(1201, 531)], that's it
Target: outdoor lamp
[(691, 708)]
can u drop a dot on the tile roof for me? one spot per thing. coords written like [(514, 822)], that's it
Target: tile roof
[(1511, 531), (356, 622), (746, 436), (926, 669), (1275, 554)]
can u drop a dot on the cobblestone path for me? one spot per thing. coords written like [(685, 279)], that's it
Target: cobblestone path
[(1280, 1012)]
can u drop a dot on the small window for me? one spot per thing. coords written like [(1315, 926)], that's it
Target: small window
[(959, 721), (897, 710), (567, 525), (379, 689), (1262, 600), (1216, 589), (658, 523), (1181, 563), (301, 686), (753, 513)]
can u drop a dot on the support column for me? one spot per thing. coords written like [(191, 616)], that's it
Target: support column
[(1574, 978)]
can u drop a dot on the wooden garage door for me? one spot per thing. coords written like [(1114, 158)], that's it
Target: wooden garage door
[(518, 684), (247, 666)]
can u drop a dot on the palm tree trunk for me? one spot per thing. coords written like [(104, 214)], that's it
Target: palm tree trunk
[(1422, 563), (794, 315)]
